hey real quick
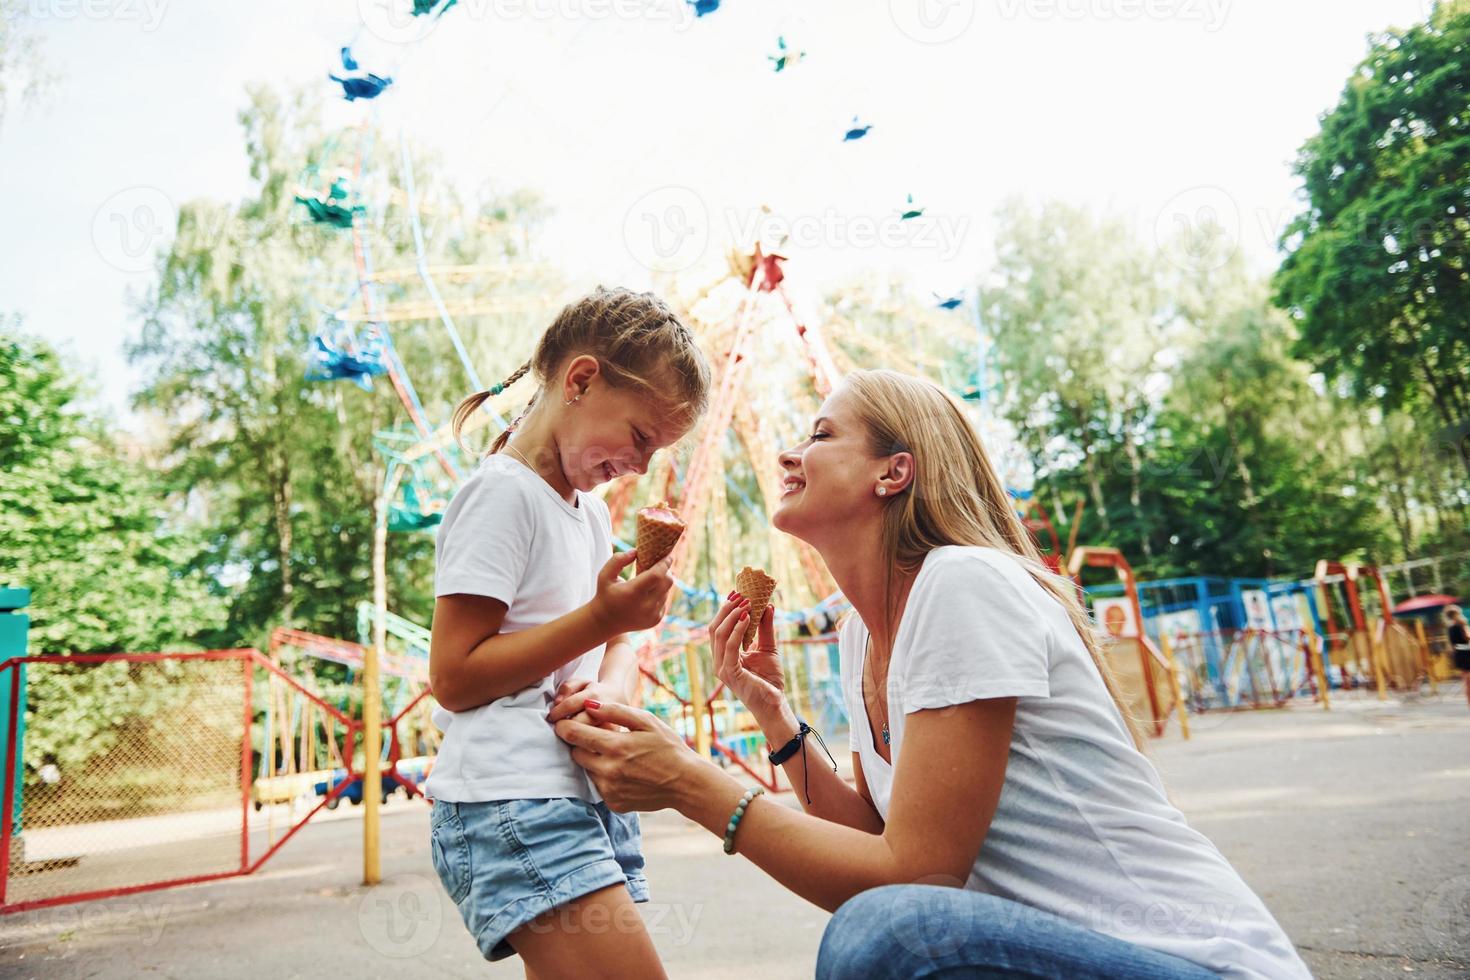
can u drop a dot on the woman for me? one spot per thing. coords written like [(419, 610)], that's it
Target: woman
[(1458, 634), (1004, 820)]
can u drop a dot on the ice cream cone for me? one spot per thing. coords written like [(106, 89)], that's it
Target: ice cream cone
[(756, 586), (658, 531)]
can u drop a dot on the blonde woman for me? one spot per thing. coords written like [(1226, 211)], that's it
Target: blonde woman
[(1458, 634), (1005, 821)]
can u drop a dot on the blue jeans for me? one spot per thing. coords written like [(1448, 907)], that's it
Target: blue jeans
[(900, 932), (508, 861)]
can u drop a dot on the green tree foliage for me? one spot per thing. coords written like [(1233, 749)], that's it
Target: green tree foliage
[(1078, 314), (106, 553), (104, 550), (287, 466), (1377, 275), (1169, 398), (22, 69)]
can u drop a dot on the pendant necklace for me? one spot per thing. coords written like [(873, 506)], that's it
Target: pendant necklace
[(868, 659)]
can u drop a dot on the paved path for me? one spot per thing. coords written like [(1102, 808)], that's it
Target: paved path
[(1351, 824)]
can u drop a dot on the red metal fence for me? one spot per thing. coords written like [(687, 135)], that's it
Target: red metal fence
[(139, 771)]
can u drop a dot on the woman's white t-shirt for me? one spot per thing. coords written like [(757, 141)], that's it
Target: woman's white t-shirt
[(508, 535), (1083, 828)]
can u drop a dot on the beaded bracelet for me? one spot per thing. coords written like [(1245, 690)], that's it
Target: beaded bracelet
[(737, 816)]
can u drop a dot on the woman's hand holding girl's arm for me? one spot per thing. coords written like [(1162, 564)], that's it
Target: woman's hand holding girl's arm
[(617, 680), (946, 788), (472, 663), (756, 678)]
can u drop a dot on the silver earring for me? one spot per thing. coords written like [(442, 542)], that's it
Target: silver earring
[(577, 399), (882, 491)]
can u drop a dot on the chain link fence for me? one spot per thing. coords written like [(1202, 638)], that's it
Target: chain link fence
[(132, 771)]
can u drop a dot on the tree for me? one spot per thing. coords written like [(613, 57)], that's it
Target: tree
[(1169, 398), (1376, 274), (287, 467), (22, 69), (90, 532), (1079, 319), (107, 554)]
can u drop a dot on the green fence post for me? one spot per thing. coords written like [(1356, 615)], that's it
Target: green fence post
[(14, 628)]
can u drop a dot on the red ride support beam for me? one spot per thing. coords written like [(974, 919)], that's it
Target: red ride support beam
[(247, 676)]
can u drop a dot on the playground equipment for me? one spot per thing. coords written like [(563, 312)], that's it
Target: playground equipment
[(1146, 677), (1371, 646), (1240, 643)]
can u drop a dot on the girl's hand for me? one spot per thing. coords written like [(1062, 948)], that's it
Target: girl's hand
[(572, 697), (754, 675), (637, 603)]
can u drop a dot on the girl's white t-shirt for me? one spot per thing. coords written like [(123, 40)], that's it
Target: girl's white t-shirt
[(1083, 828), (508, 535)]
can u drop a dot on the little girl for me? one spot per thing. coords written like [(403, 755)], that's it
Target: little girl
[(532, 611)]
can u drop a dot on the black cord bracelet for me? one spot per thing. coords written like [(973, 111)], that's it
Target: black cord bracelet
[(798, 741)]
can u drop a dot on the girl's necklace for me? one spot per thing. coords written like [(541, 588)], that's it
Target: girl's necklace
[(883, 702), (512, 449)]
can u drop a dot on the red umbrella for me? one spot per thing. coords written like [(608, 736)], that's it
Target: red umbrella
[(1424, 603)]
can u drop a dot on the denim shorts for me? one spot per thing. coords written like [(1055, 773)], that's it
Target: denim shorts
[(508, 861)]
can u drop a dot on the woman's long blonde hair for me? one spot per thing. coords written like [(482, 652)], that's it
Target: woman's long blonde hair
[(956, 497), (639, 343)]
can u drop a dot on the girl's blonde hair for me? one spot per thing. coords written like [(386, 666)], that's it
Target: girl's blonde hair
[(1452, 615), (955, 498), (639, 343)]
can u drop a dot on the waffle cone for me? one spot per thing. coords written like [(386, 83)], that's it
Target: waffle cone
[(756, 586), (657, 532)]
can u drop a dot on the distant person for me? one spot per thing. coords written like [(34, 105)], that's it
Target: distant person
[(1459, 636), (530, 611)]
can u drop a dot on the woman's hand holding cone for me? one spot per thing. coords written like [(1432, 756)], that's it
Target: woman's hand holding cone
[(754, 675)]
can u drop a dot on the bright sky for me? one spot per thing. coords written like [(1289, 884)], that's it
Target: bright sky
[(657, 136)]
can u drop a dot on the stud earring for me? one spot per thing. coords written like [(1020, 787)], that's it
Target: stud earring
[(577, 399), (882, 491)]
